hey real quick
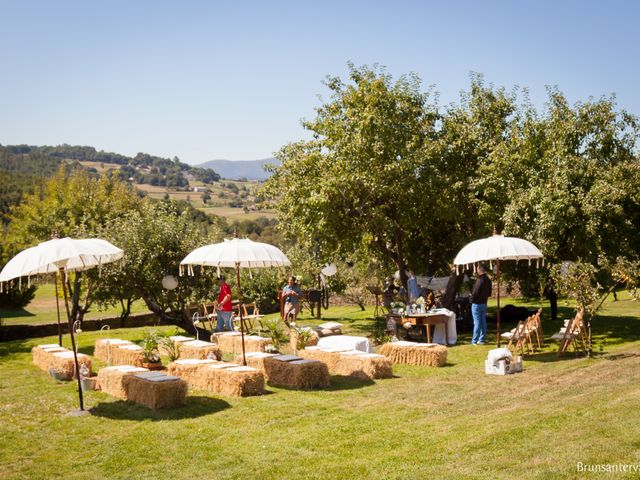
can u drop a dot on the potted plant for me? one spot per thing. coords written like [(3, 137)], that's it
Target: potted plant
[(276, 334), (151, 355), (171, 348)]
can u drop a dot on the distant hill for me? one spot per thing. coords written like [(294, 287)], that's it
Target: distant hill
[(237, 169)]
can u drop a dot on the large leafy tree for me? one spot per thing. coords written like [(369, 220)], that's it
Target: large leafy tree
[(355, 184)]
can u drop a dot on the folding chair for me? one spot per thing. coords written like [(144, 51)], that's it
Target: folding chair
[(572, 334)]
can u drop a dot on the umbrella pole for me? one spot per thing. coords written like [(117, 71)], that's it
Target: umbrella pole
[(244, 359), (73, 341), (498, 312), (58, 311)]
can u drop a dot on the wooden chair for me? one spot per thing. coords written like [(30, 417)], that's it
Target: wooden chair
[(211, 315), (251, 314), (517, 337), (572, 334)]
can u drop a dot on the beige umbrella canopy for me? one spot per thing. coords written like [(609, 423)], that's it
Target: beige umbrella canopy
[(495, 249), (61, 255), (236, 253)]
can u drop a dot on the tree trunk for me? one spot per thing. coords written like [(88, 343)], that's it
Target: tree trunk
[(177, 318)]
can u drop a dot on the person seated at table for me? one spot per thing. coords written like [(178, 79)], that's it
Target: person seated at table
[(291, 294)]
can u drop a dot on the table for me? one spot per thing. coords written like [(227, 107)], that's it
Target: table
[(443, 320)]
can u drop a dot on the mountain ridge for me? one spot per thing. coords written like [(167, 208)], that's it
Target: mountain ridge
[(239, 169)]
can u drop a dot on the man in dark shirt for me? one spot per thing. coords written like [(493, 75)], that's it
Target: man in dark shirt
[(479, 296)]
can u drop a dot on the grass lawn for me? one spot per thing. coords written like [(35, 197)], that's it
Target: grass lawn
[(452, 422), (42, 309)]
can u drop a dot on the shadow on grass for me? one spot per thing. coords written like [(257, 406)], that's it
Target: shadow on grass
[(342, 382), (197, 406)]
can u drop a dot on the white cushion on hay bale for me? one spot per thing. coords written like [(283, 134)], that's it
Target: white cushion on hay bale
[(64, 365), (181, 338), (413, 353), (346, 342), (328, 329), (42, 355), (199, 349)]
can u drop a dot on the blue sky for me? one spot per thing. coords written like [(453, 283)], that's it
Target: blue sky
[(213, 79)]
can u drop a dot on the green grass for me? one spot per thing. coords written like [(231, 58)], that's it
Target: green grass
[(452, 422), (42, 310)]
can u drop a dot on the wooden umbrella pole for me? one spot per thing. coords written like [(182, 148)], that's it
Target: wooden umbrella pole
[(244, 359), (58, 311), (73, 341), (498, 312)]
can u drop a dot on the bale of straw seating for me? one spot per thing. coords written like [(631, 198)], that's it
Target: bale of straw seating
[(155, 390), (255, 359), (63, 364), (232, 380), (127, 355), (230, 342), (190, 370), (352, 363), (111, 379), (293, 339), (328, 328), (104, 347), (42, 355), (355, 363), (290, 371), (412, 353), (199, 350)]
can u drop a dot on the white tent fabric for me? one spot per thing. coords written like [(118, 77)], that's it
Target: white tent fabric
[(497, 247), (236, 252), (68, 253)]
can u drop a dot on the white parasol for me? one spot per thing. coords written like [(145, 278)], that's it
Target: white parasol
[(497, 248), (236, 253), (61, 255)]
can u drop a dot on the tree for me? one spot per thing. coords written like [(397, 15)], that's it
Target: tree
[(155, 239), (358, 182)]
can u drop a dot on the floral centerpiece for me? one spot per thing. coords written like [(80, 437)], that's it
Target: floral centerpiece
[(397, 308)]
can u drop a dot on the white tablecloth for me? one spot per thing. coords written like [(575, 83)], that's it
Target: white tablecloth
[(438, 331), (346, 342)]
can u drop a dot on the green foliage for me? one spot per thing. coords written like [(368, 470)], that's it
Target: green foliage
[(303, 335), (150, 343), (171, 348), (275, 333), (262, 286), (14, 297)]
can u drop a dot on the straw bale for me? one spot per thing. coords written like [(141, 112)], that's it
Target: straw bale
[(255, 360), (179, 339), (105, 346), (190, 370), (364, 365), (232, 380), (293, 339), (230, 342), (409, 353), (127, 355), (110, 379), (299, 374), (63, 363), (199, 350), (42, 355), (156, 394), (329, 357)]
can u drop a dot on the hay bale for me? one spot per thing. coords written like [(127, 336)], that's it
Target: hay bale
[(353, 363), (256, 360), (155, 390), (231, 342), (42, 355), (364, 365), (293, 340), (190, 370), (294, 372), (179, 339), (127, 355), (110, 379), (232, 380), (411, 353), (104, 347), (200, 350), (63, 364)]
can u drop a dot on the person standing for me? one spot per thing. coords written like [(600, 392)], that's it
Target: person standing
[(224, 306), (479, 296), (291, 294)]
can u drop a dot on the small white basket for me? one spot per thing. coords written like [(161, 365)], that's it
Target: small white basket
[(502, 367)]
